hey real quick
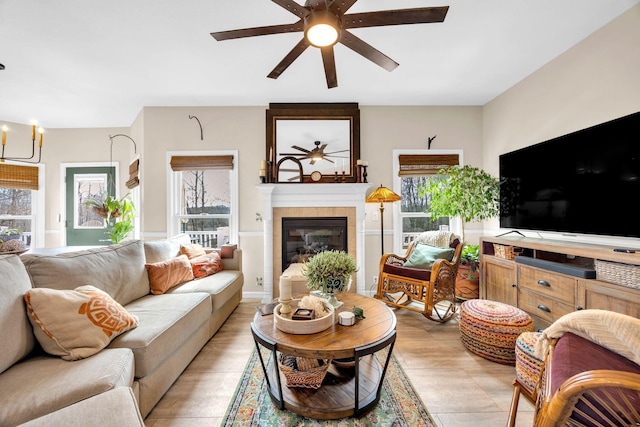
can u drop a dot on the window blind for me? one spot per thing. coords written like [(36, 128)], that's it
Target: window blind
[(425, 164), (187, 163), (18, 177), (134, 174)]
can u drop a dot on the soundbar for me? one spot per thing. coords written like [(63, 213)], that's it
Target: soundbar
[(558, 267)]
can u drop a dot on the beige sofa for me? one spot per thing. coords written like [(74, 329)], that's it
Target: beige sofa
[(172, 328)]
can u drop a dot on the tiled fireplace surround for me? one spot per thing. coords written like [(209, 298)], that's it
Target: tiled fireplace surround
[(311, 200)]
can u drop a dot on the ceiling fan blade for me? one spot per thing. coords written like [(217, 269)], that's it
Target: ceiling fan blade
[(259, 31), (334, 152), (341, 7), (365, 49), (329, 61), (301, 149), (288, 60), (421, 15), (293, 7)]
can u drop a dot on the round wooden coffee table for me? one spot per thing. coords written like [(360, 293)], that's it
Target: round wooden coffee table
[(346, 391)]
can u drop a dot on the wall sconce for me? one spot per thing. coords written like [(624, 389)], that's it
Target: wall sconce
[(33, 146)]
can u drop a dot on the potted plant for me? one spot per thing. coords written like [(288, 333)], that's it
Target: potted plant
[(119, 215), (468, 279), (7, 234), (471, 194), (330, 273)]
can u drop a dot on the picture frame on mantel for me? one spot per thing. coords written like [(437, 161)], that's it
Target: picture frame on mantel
[(299, 130)]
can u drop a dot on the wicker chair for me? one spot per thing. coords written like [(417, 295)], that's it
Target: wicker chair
[(430, 292), (599, 397)]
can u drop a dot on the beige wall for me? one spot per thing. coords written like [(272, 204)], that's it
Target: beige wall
[(595, 81)]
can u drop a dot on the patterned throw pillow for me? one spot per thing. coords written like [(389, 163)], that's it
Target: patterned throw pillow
[(164, 275), (193, 250), (76, 324), (206, 265)]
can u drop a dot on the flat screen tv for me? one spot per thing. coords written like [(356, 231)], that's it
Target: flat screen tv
[(586, 182)]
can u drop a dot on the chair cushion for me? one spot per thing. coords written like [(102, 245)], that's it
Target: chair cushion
[(423, 255), (414, 273)]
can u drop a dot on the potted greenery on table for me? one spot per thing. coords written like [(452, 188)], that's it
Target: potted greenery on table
[(119, 215), (473, 195), (330, 273)]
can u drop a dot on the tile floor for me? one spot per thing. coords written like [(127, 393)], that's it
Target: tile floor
[(458, 388)]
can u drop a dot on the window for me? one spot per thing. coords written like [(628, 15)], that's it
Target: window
[(20, 204), (204, 197), (411, 215)]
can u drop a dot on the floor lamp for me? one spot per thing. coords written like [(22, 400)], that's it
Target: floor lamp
[(382, 195)]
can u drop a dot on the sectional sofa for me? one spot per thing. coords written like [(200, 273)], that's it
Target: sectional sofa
[(166, 329)]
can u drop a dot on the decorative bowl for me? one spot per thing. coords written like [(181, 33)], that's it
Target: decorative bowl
[(303, 327)]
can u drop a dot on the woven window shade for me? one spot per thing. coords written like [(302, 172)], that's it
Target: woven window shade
[(134, 174), (189, 163), (425, 164), (18, 177)]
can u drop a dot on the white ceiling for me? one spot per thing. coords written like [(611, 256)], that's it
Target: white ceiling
[(96, 63)]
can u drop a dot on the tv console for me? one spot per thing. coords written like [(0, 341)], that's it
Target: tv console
[(549, 278)]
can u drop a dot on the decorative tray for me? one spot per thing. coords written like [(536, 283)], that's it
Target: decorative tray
[(302, 327)]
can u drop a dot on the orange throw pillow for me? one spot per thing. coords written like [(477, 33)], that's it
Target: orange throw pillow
[(75, 324), (206, 265), (164, 275), (193, 250)]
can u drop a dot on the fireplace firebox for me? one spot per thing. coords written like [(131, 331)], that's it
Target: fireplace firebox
[(306, 236)]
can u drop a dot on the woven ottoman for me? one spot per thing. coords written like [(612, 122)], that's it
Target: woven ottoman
[(490, 329)]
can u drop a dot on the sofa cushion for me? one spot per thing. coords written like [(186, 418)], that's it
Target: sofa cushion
[(116, 407), (166, 322), (192, 250), (220, 286), (162, 250), (75, 324), (43, 384), (17, 336), (423, 255), (116, 269), (206, 265), (166, 274)]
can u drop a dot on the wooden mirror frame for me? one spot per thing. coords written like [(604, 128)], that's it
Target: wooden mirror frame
[(314, 111)]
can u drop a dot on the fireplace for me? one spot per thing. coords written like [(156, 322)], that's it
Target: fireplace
[(307, 202), (304, 237)]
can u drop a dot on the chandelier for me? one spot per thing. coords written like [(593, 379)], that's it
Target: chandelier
[(30, 159)]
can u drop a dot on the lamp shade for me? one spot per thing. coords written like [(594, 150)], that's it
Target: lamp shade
[(322, 28), (382, 195)]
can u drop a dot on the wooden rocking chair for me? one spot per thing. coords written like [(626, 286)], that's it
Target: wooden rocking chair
[(430, 292)]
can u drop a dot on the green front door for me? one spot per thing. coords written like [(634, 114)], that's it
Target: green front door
[(84, 226)]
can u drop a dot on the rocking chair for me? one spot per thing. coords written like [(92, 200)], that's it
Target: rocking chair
[(429, 291)]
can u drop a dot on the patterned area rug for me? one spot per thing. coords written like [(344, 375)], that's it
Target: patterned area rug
[(399, 404)]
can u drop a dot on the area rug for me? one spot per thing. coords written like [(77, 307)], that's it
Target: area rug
[(399, 404)]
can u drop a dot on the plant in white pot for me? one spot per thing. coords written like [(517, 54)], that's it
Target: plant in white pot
[(330, 273), (472, 195)]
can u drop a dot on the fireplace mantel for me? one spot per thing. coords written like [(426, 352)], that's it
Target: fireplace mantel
[(317, 196)]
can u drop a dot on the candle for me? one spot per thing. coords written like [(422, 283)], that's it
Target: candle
[(4, 134), (263, 172), (271, 154), (263, 164), (41, 132), (285, 288), (33, 131), (359, 162), (365, 163)]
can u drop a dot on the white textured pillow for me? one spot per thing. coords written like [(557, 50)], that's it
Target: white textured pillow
[(75, 324)]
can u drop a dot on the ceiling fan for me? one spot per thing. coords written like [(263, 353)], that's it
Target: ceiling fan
[(316, 154), (325, 23)]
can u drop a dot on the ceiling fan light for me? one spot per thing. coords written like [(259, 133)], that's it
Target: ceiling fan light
[(322, 29), (322, 35)]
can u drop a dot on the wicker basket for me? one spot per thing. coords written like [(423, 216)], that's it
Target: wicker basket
[(620, 274), (303, 372), (102, 212), (506, 252)]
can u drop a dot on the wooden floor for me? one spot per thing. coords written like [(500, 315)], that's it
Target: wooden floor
[(458, 388)]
